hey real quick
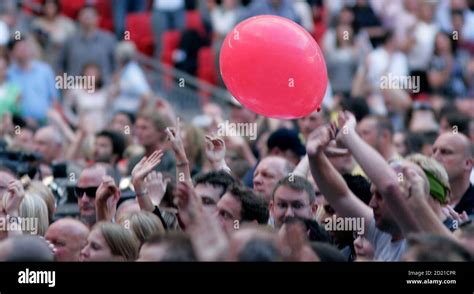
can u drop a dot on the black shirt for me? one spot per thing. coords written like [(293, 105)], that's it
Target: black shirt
[(467, 202)]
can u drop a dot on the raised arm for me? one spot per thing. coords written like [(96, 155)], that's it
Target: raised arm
[(106, 199), (215, 152), (378, 171), (417, 201), (182, 164), (208, 238), (139, 173), (330, 182)]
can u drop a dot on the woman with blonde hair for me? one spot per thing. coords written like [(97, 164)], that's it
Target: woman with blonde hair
[(142, 223), (110, 242), (38, 188), (34, 214)]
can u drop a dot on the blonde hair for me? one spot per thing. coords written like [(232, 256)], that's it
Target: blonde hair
[(122, 242), (435, 168), (142, 223), (33, 207), (38, 188)]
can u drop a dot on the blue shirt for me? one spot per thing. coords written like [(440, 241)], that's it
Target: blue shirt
[(38, 88)]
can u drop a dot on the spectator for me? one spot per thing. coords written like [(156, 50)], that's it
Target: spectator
[(239, 205), (68, 237), (90, 45), (455, 153), (172, 247), (86, 189), (143, 224), (377, 131), (41, 190), (364, 251), (293, 196), (109, 147), (210, 187), (167, 15), (10, 97), (312, 121), (35, 79), (88, 101), (131, 87), (286, 143), (49, 143), (267, 173), (445, 74), (432, 248), (33, 207), (52, 29), (150, 132), (25, 249), (110, 242), (283, 8)]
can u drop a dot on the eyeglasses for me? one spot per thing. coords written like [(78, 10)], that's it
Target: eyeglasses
[(89, 191)]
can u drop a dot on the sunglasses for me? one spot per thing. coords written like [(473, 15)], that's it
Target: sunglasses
[(89, 191)]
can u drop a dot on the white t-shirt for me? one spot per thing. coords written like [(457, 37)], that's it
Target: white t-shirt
[(169, 5), (384, 248), (421, 53)]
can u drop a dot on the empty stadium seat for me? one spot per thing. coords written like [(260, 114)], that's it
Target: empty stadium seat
[(139, 26), (71, 8)]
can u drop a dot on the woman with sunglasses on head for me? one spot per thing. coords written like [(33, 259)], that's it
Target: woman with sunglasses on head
[(110, 242)]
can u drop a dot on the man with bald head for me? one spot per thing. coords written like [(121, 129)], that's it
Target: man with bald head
[(25, 248), (49, 143), (455, 152), (68, 236), (267, 174), (89, 181)]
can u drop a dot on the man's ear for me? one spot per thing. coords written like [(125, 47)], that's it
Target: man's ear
[(314, 208), (469, 163)]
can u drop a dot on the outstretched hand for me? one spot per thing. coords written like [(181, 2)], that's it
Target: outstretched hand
[(319, 139), (175, 137), (146, 165)]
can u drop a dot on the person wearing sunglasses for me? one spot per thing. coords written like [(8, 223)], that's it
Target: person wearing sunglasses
[(85, 192)]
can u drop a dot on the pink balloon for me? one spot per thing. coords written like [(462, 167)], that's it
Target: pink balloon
[(274, 67)]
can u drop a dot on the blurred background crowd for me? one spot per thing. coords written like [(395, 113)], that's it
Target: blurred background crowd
[(90, 90)]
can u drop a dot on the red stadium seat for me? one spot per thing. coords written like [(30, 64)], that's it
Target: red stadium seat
[(106, 18), (139, 27), (206, 71), (71, 8), (170, 41), (194, 22)]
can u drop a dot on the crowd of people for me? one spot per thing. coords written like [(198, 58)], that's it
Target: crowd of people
[(382, 172)]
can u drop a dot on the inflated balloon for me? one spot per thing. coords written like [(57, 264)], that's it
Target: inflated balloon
[(274, 67)]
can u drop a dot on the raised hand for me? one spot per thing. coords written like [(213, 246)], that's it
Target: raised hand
[(174, 135), (347, 124), (15, 194), (215, 149), (146, 165), (106, 199), (155, 186), (188, 203), (319, 139)]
